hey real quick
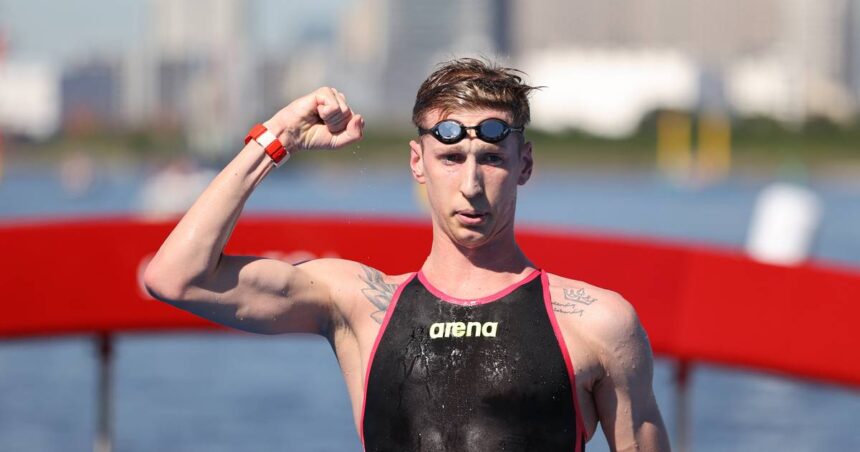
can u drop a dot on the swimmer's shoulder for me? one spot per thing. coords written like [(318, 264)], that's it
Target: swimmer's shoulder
[(344, 272), (350, 281), (600, 316)]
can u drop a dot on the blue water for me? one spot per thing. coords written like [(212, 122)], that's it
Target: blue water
[(229, 392)]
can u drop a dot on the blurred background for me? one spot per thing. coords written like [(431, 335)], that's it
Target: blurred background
[(685, 120), (772, 81)]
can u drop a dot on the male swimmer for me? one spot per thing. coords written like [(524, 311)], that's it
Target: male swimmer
[(479, 350)]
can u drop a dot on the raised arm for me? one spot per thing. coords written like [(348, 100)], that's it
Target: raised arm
[(261, 295), (624, 397)]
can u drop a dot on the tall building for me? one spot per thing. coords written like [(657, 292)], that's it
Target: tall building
[(29, 99), (812, 46), (204, 64), (390, 46), (90, 96), (711, 32), (784, 58), (852, 47)]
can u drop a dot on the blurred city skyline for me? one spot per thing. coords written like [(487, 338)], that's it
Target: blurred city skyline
[(119, 26), (210, 68)]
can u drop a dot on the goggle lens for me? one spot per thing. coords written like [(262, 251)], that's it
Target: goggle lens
[(492, 130), (449, 131)]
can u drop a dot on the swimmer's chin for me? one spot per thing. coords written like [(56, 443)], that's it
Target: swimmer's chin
[(471, 240)]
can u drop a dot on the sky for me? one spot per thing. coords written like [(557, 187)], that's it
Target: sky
[(62, 31)]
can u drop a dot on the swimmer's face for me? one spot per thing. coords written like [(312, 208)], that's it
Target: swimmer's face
[(471, 185)]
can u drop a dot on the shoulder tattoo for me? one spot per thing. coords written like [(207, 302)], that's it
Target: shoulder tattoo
[(377, 291), (575, 302)]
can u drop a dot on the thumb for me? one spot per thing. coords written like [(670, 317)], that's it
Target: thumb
[(353, 132)]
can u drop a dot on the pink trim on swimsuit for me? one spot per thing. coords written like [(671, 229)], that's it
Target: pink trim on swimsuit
[(476, 301), (388, 312), (582, 437)]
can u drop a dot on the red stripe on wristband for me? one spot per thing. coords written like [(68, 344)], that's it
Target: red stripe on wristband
[(274, 149)]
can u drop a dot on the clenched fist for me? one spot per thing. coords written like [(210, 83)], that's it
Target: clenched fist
[(319, 120)]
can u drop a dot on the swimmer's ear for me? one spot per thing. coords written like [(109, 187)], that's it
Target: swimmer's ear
[(416, 161), (527, 163)]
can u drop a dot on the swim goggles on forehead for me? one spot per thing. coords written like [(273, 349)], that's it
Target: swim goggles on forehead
[(450, 131)]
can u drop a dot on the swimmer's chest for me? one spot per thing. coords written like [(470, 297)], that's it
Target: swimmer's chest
[(480, 375)]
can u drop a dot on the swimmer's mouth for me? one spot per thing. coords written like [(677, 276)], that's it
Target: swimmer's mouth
[(471, 216)]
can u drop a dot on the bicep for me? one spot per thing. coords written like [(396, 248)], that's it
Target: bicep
[(262, 295), (624, 397)]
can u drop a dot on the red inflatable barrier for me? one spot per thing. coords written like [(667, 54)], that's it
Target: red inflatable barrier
[(697, 304)]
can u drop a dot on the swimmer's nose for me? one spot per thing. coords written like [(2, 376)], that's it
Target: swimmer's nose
[(472, 183)]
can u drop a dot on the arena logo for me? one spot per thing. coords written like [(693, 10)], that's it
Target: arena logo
[(461, 329)]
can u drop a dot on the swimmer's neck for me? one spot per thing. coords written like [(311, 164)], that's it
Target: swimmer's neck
[(475, 271)]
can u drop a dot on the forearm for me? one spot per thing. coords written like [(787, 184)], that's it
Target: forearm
[(652, 436), (192, 251)]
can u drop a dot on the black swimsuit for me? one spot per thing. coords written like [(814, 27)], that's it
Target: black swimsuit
[(471, 375)]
